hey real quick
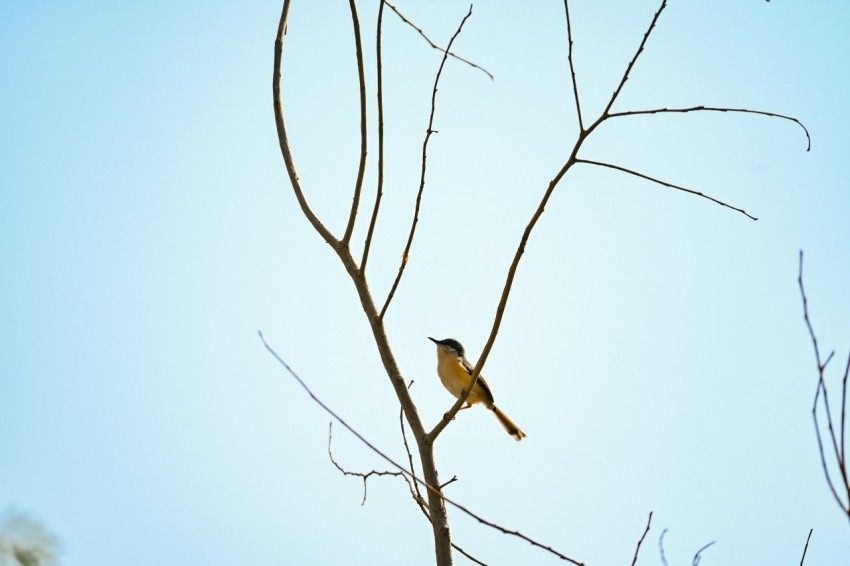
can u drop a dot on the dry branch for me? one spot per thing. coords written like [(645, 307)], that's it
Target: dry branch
[(841, 484), (806, 548), (643, 536), (666, 184), (717, 109), (446, 51), (364, 476)]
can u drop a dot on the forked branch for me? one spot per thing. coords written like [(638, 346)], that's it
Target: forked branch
[(839, 487)]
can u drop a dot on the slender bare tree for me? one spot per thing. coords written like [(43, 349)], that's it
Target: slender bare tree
[(433, 503)]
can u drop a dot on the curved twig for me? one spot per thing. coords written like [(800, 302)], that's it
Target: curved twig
[(717, 109), (435, 46), (283, 138), (666, 184), (698, 555), (363, 476), (405, 255)]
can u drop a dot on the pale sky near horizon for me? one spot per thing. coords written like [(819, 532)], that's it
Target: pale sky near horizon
[(653, 347)]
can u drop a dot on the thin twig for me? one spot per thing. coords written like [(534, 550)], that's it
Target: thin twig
[(434, 45), (430, 130), (379, 193), (365, 476), (821, 390), (661, 547), (634, 59), (806, 548), (468, 555), (716, 109), (643, 536), (572, 66), (418, 495), (698, 555), (666, 184), (843, 415), (407, 472)]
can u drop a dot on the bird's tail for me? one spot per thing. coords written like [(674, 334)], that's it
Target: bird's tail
[(506, 422)]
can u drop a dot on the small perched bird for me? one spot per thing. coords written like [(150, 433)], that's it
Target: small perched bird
[(455, 372)]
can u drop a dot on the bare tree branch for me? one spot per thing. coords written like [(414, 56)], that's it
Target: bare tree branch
[(806, 548), (698, 555), (661, 547), (572, 66), (821, 392), (405, 255), (283, 138), (643, 536), (363, 131), (365, 476), (716, 109), (380, 99), (407, 472), (666, 184), (614, 96), (434, 45)]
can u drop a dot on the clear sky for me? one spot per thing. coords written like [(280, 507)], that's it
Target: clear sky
[(653, 348)]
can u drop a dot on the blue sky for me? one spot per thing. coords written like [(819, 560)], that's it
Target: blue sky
[(653, 348)]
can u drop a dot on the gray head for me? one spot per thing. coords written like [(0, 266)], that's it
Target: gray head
[(451, 344)]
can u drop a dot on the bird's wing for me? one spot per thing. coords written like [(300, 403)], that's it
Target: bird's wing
[(483, 384)]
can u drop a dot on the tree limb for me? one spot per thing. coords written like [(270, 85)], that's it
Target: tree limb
[(666, 184), (716, 109)]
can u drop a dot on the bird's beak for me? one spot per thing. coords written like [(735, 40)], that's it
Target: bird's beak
[(434, 341)]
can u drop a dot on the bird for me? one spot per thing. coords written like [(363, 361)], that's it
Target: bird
[(455, 372)]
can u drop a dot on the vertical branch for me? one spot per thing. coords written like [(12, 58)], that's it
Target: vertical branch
[(821, 393), (405, 254), (380, 96), (572, 66), (358, 185)]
